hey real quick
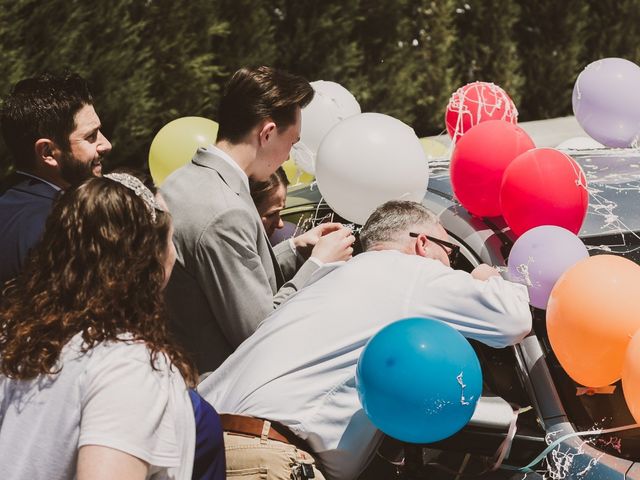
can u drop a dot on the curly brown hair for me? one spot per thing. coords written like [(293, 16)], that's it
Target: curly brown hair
[(98, 270)]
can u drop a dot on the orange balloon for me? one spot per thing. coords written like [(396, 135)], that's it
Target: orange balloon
[(631, 376), (593, 311)]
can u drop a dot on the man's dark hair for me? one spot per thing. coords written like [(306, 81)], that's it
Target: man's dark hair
[(260, 191), (255, 94), (42, 107)]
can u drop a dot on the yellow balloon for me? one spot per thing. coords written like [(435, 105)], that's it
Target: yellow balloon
[(295, 175), (176, 143), (433, 148)]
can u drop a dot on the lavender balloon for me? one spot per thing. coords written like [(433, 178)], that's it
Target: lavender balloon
[(606, 101), (540, 256)]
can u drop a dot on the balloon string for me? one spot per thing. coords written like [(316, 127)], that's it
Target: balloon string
[(505, 446), (528, 468)]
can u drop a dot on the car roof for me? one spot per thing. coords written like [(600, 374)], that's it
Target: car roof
[(613, 216), (613, 179)]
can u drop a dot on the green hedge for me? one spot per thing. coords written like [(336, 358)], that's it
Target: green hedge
[(150, 61)]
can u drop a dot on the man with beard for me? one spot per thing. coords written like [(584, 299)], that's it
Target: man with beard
[(53, 133)]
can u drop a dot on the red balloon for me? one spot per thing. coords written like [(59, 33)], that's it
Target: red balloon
[(478, 102), (480, 158), (544, 187)]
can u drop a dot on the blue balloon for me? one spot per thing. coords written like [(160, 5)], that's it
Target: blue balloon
[(419, 380)]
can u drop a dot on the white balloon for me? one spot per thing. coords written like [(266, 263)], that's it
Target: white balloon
[(331, 104), (580, 143), (344, 100), (367, 160)]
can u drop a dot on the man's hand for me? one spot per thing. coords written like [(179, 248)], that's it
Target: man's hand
[(334, 246), (304, 243), (484, 272)]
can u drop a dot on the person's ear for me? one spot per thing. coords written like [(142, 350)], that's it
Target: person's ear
[(266, 132), (47, 152), (420, 247)]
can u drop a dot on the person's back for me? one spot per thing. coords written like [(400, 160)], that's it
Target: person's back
[(95, 392), (91, 382), (25, 204), (299, 366), (198, 298)]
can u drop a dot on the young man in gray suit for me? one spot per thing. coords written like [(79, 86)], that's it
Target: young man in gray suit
[(227, 278)]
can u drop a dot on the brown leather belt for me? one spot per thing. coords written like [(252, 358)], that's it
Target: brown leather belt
[(251, 426)]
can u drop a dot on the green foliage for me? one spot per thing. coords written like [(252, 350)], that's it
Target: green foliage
[(385, 36), (434, 34), (405, 70), (613, 30), (249, 34), (486, 47), (317, 40), (551, 45), (151, 61), (146, 62)]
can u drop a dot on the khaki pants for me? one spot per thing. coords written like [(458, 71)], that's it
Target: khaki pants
[(253, 458)]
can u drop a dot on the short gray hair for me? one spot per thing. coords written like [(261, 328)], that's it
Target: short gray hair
[(392, 219)]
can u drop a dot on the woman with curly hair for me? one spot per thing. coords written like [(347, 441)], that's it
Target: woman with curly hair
[(91, 385)]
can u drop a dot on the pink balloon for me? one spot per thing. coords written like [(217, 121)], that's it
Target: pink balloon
[(475, 103), (480, 158), (544, 187)]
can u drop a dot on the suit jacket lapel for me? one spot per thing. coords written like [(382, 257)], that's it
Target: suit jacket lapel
[(231, 177), (228, 174)]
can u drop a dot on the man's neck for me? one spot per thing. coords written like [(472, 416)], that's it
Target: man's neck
[(383, 246), (244, 154), (47, 176)]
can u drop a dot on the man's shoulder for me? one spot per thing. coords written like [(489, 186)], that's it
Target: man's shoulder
[(196, 190), (22, 190), (27, 201), (197, 172), (22, 221), (395, 264)]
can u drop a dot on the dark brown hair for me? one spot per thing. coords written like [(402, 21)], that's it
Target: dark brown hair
[(42, 107), (260, 191), (98, 271), (253, 95)]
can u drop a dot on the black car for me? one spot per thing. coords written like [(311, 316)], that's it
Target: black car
[(531, 410)]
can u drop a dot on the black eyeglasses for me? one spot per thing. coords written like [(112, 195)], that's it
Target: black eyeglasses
[(451, 249)]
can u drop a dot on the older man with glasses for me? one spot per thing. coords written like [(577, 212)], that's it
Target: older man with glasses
[(288, 392)]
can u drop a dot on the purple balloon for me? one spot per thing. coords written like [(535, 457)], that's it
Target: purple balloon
[(540, 256), (606, 101)]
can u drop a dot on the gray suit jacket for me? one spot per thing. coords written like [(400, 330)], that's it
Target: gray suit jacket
[(227, 278)]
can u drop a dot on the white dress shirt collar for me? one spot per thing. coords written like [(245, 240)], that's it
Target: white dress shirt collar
[(227, 158)]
